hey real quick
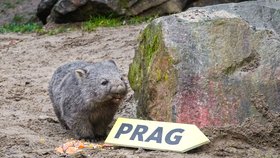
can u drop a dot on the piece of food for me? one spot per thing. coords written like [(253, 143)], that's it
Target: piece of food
[(74, 146), (59, 150), (71, 150), (79, 145)]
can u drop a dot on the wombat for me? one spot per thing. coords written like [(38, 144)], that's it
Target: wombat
[(86, 96)]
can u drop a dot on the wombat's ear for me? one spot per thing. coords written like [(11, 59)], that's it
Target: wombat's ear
[(81, 73), (112, 61)]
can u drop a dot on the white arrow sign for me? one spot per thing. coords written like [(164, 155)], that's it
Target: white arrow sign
[(156, 135)]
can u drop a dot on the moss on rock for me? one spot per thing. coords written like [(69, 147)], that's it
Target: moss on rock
[(152, 76), (149, 45)]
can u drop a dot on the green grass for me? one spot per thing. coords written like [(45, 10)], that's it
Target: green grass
[(33, 28), (20, 28), (110, 21), (91, 25), (101, 21), (55, 31)]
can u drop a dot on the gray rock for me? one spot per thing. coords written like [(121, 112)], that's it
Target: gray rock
[(157, 7), (202, 3), (86, 97), (44, 9), (207, 66), (72, 10)]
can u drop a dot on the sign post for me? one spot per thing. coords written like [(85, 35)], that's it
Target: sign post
[(156, 135)]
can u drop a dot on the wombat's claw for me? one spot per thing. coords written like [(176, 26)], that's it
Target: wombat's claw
[(100, 138), (93, 139), (89, 139)]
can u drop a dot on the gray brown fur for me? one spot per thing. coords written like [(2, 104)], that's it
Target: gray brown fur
[(86, 96)]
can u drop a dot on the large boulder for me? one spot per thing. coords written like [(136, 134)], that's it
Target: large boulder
[(206, 66), (202, 3), (61, 11)]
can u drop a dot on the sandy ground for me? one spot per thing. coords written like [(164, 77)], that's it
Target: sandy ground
[(29, 128)]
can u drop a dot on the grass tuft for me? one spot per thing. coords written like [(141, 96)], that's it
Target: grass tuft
[(100, 21), (20, 28), (55, 31), (111, 21)]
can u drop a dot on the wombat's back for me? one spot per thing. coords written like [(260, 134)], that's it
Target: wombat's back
[(54, 85), (62, 71)]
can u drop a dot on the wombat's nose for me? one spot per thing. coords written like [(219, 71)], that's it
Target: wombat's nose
[(119, 89)]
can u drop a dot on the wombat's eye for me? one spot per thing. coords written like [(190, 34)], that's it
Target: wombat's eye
[(105, 82)]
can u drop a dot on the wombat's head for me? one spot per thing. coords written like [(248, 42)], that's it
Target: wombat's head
[(101, 82)]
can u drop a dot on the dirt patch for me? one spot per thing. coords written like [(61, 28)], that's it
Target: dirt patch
[(29, 128)]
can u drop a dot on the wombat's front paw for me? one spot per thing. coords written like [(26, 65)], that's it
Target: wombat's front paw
[(100, 137), (86, 137), (94, 139), (89, 139)]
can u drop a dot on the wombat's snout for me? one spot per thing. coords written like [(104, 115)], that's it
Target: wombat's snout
[(118, 92), (119, 89)]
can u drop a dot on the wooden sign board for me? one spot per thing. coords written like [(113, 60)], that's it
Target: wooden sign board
[(156, 135)]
